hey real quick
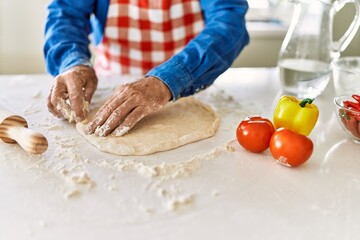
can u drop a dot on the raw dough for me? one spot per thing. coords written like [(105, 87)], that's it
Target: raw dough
[(64, 107), (178, 123)]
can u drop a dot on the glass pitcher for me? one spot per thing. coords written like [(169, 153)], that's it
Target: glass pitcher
[(308, 48)]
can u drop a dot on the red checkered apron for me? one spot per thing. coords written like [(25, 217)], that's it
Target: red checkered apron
[(141, 34)]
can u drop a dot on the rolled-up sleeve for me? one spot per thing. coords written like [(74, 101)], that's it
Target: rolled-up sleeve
[(211, 52), (67, 32)]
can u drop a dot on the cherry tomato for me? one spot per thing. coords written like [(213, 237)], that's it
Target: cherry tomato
[(290, 148), (254, 133)]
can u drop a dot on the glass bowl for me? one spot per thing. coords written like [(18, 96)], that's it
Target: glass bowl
[(349, 119), (346, 75)]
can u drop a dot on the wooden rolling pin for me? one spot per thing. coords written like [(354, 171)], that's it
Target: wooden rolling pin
[(14, 129)]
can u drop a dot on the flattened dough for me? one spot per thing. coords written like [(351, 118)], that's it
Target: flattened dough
[(178, 123)]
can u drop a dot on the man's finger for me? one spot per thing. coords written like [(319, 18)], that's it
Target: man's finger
[(76, 98), (57, 92), (104, 113), (131, 119), (116, 117), (90, 88), (52, 108)]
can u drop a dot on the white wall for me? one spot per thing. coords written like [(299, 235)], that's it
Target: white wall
[(21, 36), (21, 39)]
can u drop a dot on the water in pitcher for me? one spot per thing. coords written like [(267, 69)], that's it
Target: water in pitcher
[(304, 78)]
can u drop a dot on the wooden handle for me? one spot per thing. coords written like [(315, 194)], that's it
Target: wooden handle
[(31, 141)]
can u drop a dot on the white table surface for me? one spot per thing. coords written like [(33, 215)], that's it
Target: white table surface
[(206, 192)]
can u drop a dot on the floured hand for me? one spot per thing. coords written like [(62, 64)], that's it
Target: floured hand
[(66, 111), (129, 104), (71, 92)]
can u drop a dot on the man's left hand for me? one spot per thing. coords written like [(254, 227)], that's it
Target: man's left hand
[(128, 105)]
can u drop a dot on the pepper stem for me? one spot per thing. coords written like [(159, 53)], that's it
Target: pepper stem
[(305, 101)]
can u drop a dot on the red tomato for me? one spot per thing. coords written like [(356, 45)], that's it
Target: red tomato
[(290, 148), (254, 133)]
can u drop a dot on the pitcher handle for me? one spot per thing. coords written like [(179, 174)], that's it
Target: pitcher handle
[(340, 45)]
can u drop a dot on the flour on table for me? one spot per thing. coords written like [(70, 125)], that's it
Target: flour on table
[(180, 169), (148, 210), (80, 182), (178, 123), (72, 193), (164, 170), (42, 224), (31, 109), (54, 127), (215, 193), (175, 203), (112, 188), (81, 178), (37, 95), (172, 200)]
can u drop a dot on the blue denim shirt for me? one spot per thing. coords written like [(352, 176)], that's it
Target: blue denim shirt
[(209, 54)]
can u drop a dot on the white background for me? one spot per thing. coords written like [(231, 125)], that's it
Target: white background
[(22, 24)]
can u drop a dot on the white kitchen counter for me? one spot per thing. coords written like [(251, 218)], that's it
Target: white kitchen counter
[(199, 191)]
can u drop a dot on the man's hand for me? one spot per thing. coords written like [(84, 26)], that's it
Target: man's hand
[(76, 85), (128, 104)]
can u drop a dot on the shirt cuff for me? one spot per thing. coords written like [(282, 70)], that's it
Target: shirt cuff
[(176, 76), (74, 59)]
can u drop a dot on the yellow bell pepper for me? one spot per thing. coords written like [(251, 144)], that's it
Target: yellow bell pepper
[(298, 116)]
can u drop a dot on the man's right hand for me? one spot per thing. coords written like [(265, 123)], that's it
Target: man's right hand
[(77, 84)]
